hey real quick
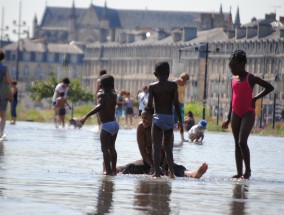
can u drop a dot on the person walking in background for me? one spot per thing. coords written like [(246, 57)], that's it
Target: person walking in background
[(14, 102), (129, 110), (242, 109), (163, 95), (120, 105), (182, 84), (109, 128), (189, 120), (61, 87), (5, 93), (142, 99)]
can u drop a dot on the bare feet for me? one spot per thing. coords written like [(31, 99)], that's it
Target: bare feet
[(171, 175), (246, 175), (237, 176), (156, 175), (202, 169)]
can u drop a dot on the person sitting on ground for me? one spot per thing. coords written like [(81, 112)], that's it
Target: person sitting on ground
[(196, 133), (145, 165)]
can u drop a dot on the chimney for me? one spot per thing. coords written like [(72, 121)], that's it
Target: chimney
[(281, 33), (264, 29), (189, 33), (112, 35), (103, 35), (176, 35), (130, 38), (142, 36), (230, 34), (161, 34), (251, 32), (122, 37), (240, 32)]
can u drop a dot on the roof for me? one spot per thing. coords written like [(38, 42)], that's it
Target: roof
[(39, 46), (55, 17)]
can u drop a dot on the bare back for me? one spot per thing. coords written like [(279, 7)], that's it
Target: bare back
[(164, 95), (60, 102), (107, 103)]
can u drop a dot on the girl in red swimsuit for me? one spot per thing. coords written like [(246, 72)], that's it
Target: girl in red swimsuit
[(242, 109)]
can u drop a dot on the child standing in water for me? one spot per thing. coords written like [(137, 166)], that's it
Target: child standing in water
[(164, 94), (106, 102), (242, 109), (60, 107)]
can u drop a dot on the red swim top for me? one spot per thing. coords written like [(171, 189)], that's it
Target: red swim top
[(242, 96)]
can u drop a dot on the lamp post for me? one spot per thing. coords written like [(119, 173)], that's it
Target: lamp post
[(274, 100), (203, 49), (218, 100), (3, 29), (19, 25)]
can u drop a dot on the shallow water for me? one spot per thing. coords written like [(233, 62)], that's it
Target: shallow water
[(44, 170)]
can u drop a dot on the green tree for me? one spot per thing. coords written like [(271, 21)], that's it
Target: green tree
[(45, 89)]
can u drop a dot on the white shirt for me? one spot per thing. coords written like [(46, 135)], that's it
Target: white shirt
[(59, 89), (196, 130), (143, 98)]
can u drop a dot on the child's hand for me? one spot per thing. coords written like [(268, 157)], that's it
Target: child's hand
[(225, 124), (80, 122)]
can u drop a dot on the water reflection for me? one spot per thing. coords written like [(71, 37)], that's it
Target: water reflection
[(1, 168), (153, 197), (239, 195), (105, 196)]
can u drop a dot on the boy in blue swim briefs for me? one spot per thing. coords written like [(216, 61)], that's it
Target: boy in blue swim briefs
[(164, 95), (106, 102)]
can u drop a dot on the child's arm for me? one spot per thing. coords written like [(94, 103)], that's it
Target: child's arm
[(267, 88), (68, 104), (94, 111), (150, 99), (227, 122)]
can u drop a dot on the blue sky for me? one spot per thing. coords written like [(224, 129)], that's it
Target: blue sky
[(30, 8)]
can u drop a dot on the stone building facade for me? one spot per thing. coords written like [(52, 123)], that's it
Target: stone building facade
[(128, 43)]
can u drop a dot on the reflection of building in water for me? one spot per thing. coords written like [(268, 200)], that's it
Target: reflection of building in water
[(127, 43), (238, 203), (153, 197)]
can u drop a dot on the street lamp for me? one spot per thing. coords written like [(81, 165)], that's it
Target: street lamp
[(203, 50), (19, 25), (274, 99), (3, 29)]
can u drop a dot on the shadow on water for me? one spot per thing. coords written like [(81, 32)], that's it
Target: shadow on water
[(153, 197), (238, 204)]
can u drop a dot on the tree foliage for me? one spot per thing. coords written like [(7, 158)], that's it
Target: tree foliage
[(45, 90)]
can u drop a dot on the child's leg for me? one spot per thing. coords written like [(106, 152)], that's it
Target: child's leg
[(236, 124), (167, 145), (105, 146), (245, 129), (113, 154), (157, 136)]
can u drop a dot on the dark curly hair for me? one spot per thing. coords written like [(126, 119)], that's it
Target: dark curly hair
[(239, 56)]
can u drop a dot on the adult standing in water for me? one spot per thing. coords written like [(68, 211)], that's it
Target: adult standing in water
[(182, 84), (5, 93), (14, 102), (242, 109), (61, 87)]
